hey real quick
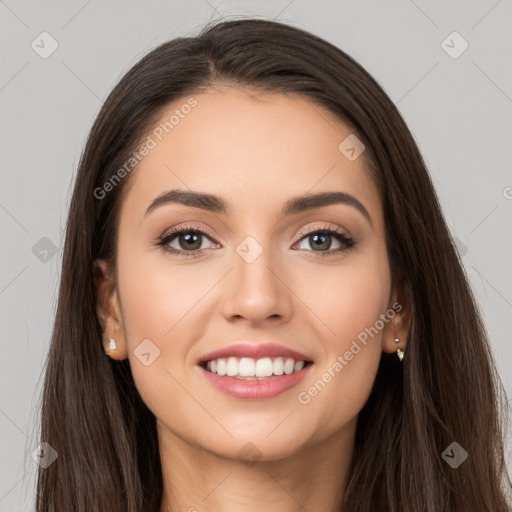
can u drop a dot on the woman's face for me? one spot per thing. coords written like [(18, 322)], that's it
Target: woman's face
[(262, 274)]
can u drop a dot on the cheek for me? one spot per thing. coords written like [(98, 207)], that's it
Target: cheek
[(157, 304), (157, 296), (350, 305), (349, 298)]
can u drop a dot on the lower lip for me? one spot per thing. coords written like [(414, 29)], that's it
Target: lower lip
[(255, 389)]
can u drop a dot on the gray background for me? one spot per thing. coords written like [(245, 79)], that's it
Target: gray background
[(457, 108)]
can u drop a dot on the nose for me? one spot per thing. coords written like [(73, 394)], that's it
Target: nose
[(256, 291)]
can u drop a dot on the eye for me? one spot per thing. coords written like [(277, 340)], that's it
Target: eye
[(188, 238), (320, 240)]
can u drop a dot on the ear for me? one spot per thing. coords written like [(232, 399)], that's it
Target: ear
[(399, 325), (108, 309)]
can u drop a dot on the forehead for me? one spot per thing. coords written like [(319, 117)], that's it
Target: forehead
[(255, 150)]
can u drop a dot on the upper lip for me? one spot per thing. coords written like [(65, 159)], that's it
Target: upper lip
[(255, 351)]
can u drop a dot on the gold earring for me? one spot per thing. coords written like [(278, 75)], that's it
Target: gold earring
[(399, 352)]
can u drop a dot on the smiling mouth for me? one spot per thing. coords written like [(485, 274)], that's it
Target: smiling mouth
[(252, 369)]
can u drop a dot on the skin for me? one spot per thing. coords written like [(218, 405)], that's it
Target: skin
[(255, 151)]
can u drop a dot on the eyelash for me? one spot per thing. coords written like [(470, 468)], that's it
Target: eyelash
[(339, 235)]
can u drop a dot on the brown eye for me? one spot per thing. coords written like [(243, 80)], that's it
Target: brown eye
[(189, 241)]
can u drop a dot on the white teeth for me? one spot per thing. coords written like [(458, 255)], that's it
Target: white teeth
[(289, 365), (298, 366), (278, 367), (247, 367), (221, 366), (264, 367), (232, 367)]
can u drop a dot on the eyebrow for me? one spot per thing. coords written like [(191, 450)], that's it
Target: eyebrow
[(293, 206)]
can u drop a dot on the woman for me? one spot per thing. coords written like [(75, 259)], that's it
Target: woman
[(261, 306)]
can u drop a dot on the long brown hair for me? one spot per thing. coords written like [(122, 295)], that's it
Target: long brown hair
[(446, 390)]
